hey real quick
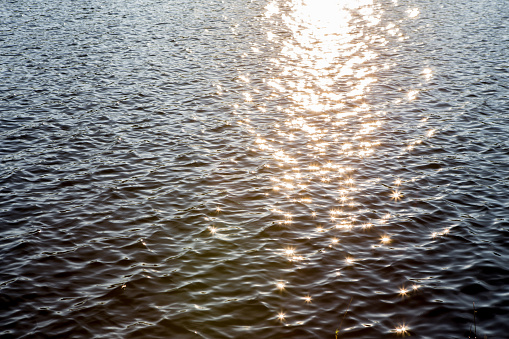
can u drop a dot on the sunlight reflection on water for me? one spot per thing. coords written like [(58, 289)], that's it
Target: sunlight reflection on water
[(325, 68)]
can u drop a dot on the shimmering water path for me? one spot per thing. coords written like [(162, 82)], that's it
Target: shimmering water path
[(254, 169)]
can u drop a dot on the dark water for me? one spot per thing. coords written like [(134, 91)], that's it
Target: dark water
[(229, 169)]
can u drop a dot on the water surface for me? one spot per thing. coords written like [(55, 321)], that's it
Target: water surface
[(264, 169)]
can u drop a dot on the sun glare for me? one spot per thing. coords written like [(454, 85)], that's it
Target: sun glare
[(402, 330), (396, 195)]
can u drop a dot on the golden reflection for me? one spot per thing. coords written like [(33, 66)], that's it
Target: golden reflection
[(248, 97), (402, 329), (321, 33), (367, 225), (296, 258), (271, 9), (307, 299), (281, 316), (412, 95), (444, 232), (414, 12), (396, 195), (345, 225), (403, 291), (325, 124), (349, 181), (428, 73), (290, 251)]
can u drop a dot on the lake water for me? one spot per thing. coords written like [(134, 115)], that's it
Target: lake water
[(254, 169)]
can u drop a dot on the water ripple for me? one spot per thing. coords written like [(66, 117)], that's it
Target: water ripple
[(276, 168)]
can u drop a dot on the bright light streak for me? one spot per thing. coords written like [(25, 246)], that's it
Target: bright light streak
[(289, 251), (396, 195), (402, 329), (385, 239)]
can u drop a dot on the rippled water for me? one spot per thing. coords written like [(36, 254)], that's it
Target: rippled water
[(261, 169)]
